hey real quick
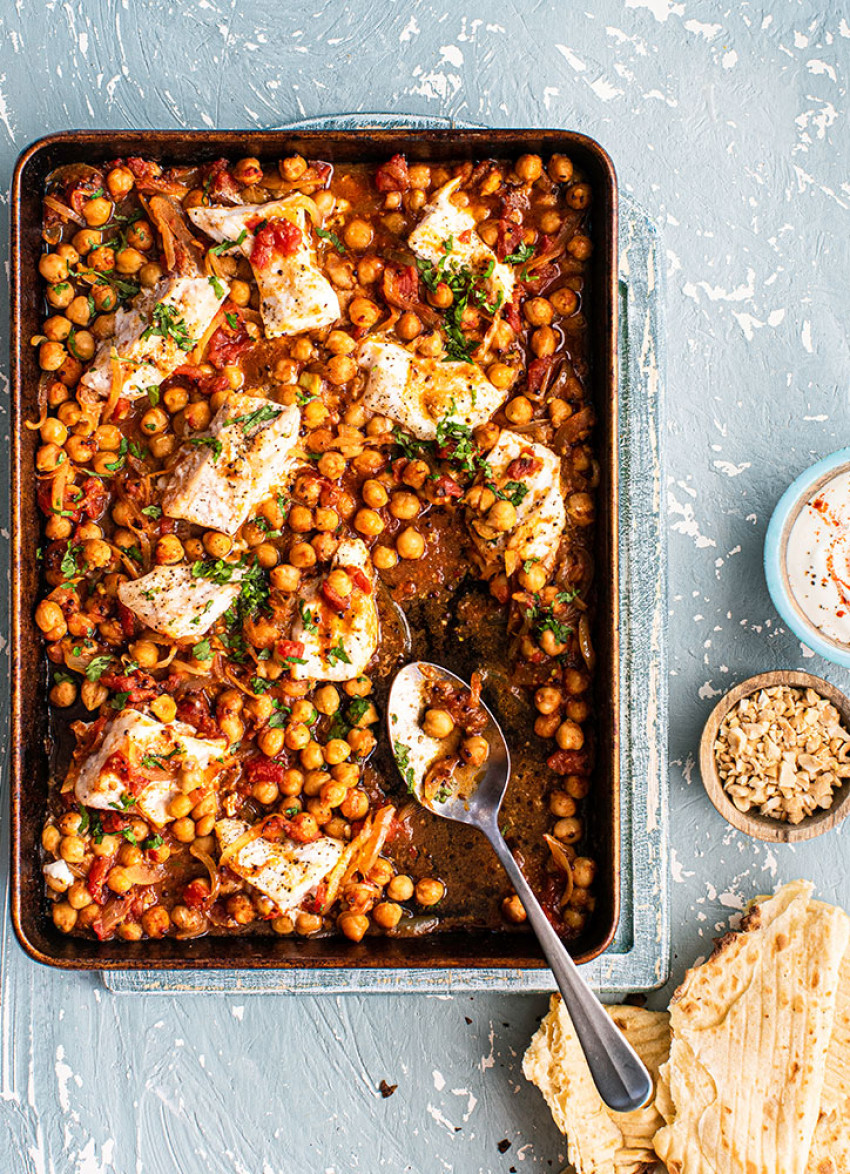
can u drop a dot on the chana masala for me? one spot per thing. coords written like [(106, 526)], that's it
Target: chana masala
[(301, 423)]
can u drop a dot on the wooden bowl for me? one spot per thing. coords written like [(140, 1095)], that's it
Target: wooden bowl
[(762, 827)]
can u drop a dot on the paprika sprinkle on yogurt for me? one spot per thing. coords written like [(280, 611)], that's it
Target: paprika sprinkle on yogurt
[(818, 559)]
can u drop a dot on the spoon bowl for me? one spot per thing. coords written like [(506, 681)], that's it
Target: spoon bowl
[(619, 1075)]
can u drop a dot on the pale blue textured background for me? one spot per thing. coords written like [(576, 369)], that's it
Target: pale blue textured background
[(728, 122)]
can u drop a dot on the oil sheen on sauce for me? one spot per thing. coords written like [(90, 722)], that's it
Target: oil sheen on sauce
[(817, 558)]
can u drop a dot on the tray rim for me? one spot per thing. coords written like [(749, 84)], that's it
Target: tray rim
[(606, 387)]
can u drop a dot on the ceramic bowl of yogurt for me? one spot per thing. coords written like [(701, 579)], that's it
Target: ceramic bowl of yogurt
[(807, 557)]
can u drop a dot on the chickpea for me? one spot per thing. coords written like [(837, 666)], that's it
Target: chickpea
[(64, 693), (64, 916), (578, 709), (441, 296), (129, 261), (400, 888), (271, 743), (384, 557), (53, 268), (169, 550), (562, 804), (368, 523), (363, 312), (579, 196), (369, 269), (302, 555), (547, 699), (149, 274), (340, 370), (355, 805), (293, 168), (538, 312), (429, 891), (560, 169), (154, 421), (387, 914), (502, 516), (544, 342), (97, 212), (438, 723), (119, 182), (129, 854), (580, 247), (550, 644), (102, 259), (529, 168), (307, 923), (513, 910), (78, 896), (183, 830), (410, 544), (353, 925), (374, 494), (358, 235), (239, 907), (104, 297), (156, 921), (564, 301), (409, 326), (533, 579), (164, 707), (86, 239), (187, 920), (570, 736), (569, 830), (50, 838), (550, 222), (475, 750), (584, 872), (51, 356), (60, 296), (57, 328), (93, 694), (49, 615)]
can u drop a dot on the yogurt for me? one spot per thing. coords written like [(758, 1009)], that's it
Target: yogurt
[(817, 559)]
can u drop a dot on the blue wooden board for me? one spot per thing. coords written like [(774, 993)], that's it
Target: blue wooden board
[(728, 123)]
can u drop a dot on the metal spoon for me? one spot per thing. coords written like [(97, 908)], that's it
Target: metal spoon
[(621, 1079)]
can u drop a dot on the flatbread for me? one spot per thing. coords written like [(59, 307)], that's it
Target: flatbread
[(600, 1141), (741, 1091), (830, 1153)]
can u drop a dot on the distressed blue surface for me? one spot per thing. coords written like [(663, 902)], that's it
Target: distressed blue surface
[(729, 124)]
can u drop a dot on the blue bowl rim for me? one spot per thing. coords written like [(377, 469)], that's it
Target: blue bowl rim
[(776, 538)]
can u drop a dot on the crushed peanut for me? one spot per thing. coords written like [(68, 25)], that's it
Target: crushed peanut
[(784, 752)]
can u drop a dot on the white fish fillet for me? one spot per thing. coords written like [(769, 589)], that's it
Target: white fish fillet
[(540, 514), (294, 293), (284, 871), (353, 633), (190, 304), (442, 222), (218, 488), (135, 735), (172, 601), (419, 392)]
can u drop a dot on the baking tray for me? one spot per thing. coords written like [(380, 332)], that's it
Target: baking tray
[(469, 950), (639, 956)]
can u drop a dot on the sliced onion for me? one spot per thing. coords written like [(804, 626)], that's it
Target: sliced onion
[(64, 211), (211, 867), (585, 643), (299, 200), (563, 863), (145, 874)]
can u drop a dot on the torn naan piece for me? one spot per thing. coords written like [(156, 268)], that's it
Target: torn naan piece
[(600, 1141), (830, 1152), (750, 1027)]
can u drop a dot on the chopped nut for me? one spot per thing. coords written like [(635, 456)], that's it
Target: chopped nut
[(783, 752)]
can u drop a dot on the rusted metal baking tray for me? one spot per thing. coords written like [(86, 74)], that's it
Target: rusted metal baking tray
[(30, 763)]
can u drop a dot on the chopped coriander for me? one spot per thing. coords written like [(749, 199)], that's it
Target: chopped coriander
[(152, 511), (123, 803), (338, 655), (307, 618), (120, 700), (331, 238), (524, 253), (152, 842), (202, 650), (217, 287), (358, 708), (136, 450), (68, 565), (97, 667), (208, 442), (252, 419), (96, 828), (84, 822), (167, 323), (153, 396), (130, 836), (232, 321), (402, 757), (216, 569), (226, 244), (260, 685)]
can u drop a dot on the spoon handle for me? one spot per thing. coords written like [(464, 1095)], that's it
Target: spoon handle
[(619, 1075)]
